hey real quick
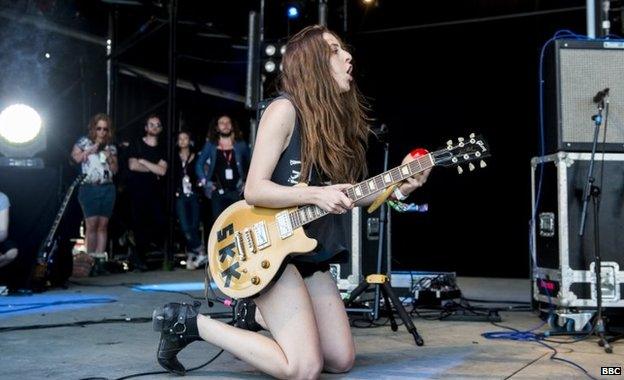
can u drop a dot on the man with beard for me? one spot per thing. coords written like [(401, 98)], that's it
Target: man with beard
[(223, 163), (146, 161)]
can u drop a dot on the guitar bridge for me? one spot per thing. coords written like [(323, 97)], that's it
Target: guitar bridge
[(238, 240), (249, 241)]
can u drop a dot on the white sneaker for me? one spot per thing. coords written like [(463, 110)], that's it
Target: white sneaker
[(200, 261), (190, 262)]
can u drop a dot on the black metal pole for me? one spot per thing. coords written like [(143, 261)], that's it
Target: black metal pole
[(171, 128), (83, 92), (593, 192), (345, 16), (322, 12), (383, 219)]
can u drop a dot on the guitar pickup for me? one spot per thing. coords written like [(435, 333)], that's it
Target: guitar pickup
[(261, 234), (284, 225)]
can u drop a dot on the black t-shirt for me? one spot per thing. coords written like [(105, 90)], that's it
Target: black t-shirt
[(331, 231), (152, 154), (226, 159)]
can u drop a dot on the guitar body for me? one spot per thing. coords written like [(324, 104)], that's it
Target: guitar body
[(244, 274)]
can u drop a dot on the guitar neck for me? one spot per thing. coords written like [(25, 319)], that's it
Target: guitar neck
[(59, 215), (306, 214)]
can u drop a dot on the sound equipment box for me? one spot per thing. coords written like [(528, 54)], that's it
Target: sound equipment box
[(575, 72)]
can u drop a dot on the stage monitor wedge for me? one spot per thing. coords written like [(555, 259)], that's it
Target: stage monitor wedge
[(575, 71)]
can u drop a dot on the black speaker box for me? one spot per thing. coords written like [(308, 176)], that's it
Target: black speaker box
[(35, 196), (574, 72)]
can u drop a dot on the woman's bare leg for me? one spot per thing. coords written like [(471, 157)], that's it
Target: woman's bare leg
[(332, 321), (102, 234), (295, 350), (91, 224)]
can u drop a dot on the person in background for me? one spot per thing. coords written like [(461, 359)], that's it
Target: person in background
[(97, 157), (187, 202), (147, 166), (222, 164), (8, 249)]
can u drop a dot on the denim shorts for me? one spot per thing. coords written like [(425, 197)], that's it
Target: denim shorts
[(97, 200)]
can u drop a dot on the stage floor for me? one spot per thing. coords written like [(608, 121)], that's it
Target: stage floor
[(452, 349)]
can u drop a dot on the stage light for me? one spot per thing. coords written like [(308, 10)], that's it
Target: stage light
[(292, 12), (19, 124), (270, 50), (21, 136), (269, 66), (283, 50), (47, 55), (368, 2)]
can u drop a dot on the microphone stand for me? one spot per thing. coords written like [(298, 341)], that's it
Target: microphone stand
[(592, 191)]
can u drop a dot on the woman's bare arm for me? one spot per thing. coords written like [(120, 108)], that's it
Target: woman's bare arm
[(273, 136)]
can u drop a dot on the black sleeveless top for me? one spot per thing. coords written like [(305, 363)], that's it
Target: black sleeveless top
[(330, 230)]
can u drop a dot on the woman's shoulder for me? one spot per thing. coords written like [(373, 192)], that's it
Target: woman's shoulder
[(281, 112), (283, 104)]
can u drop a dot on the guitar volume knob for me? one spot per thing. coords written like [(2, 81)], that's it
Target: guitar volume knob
[(265, 264), (255, 280)]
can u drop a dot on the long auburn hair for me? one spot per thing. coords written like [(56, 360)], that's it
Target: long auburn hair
[(213, 129), (334, 125), (93, 125)]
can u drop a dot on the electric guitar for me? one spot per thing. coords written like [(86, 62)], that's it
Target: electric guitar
[(248, 244), (48, 248)]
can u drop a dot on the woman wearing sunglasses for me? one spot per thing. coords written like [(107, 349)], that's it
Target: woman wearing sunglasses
[(98, 158)]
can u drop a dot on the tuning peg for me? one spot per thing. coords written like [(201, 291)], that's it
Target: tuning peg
[(482, 164), (471, 166), (460, 170), (472, 136), (460, 139), (449, 143)]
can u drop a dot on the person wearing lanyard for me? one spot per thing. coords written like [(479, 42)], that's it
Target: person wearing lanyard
[(187, 203), (222, 165)]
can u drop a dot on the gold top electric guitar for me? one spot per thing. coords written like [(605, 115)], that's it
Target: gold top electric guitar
[(248, 244)]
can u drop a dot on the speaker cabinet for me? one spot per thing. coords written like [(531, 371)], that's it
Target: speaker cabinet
[(574, 72), (564, 263)]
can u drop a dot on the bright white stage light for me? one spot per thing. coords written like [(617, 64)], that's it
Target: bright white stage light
[(292, 12), (270, 50), (269, 66), (19, 124)]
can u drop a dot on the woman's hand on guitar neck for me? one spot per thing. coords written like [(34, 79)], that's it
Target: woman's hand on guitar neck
[(414, 182), (332, 198)]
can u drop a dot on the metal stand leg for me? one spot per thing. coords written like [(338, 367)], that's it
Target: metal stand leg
[(388, 292)]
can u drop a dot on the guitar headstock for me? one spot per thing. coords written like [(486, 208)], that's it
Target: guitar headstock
[(463, 151)]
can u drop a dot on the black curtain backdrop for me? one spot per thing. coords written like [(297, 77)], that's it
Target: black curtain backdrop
[(434, 84)]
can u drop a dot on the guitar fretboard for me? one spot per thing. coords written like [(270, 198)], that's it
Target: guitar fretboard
[(308, 213)]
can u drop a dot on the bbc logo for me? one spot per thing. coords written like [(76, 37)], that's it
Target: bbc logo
[(611, 371)]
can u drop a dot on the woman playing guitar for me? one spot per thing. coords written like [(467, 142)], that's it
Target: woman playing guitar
[(316, 132)]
